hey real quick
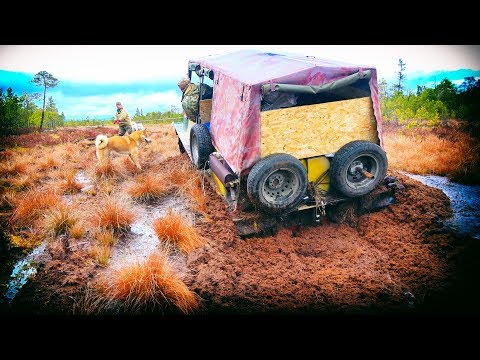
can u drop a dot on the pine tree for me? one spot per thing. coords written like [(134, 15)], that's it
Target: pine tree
[(400, 76), (45, 79)]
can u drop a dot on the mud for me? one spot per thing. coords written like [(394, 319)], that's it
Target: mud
[(465, 200), (401, 259)]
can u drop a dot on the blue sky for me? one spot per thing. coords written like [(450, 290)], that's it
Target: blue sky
[(94, 77)]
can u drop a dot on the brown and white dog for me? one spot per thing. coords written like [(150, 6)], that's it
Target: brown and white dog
[(127, 144)]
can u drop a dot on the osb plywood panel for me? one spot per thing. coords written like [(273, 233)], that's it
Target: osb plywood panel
[(318, 129), (205, 110)]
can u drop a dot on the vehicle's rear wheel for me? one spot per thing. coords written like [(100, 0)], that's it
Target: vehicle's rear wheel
[(200, 145), (277, 183), (358, 167)]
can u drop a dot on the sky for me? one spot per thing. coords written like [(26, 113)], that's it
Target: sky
[(94, 77)]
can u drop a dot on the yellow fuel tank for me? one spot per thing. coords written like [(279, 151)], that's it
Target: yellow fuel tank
[(317, 170)]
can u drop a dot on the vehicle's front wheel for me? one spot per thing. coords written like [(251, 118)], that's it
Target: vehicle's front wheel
[(277, 183), (200, 145), (358, 167)]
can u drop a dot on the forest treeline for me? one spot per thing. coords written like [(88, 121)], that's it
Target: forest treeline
[(428, 106)]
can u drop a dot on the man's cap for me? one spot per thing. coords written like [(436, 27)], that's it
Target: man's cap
[(183, 83), (118, 103)]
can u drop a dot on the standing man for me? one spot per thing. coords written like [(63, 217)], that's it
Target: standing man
[(191, 95), (123, 120)]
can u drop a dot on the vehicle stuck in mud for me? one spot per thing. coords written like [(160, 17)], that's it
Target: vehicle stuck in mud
[(285, 133)]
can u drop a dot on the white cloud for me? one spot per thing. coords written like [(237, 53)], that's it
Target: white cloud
[(123, 63)]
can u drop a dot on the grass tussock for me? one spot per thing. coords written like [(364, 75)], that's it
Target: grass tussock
[(148, 187), (23, 182), (70, 185), (59, 219), (113, 214), (50, 162), (69, 152), (30, 205), (13, 167), (7, 154), (180, 176), (90, 303), (77, 230), (127, 164), (101, 254), (105, 237), (149, 285), (7, 200), (450, 152), (106, 186), (26, 240), (107, 170), (175, 229), (198, 198)]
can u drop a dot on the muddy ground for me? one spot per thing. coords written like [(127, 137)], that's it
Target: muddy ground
[(401, 259)]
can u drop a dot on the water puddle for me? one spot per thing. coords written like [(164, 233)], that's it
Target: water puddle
[(142, 240), (83, 180), (27, 266), (23, 270), (465, 202)]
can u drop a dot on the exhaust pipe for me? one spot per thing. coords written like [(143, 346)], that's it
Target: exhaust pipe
[(222, 170)]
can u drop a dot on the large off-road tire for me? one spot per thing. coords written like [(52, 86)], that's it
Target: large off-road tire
[(346, 167), (277, 183), (200, 145)]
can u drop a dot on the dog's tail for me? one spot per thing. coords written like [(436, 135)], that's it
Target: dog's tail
[(101, 141)]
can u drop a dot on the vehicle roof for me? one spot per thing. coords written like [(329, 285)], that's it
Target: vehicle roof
[(256, 67)]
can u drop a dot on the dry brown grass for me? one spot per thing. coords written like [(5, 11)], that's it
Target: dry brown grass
[(7, 154), (100, 253), (148, 187), (127, 165), (197, 196), (149, 285), (107, 170), (29, 206), (60, 218), (26, 240), (175, 229), (7, 199), (113, 214), (69, 184), (90, 303), (163, 145), (181, 175), (105, 237), (23, 182), (429, 151), (13, 167), (49, 162), (77, 230), (69, 152)]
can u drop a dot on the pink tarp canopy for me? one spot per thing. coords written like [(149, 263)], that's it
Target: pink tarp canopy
[(235, 119)]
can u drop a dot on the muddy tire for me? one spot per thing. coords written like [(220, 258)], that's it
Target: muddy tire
[(200, 145), (348, 166), (277, 183)]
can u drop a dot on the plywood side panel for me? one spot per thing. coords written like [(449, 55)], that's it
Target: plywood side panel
[(318, 129)]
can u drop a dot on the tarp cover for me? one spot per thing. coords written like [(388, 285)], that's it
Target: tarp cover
[(239, 76)]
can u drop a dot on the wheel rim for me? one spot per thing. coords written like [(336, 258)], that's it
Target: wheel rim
[(194, 146), (279, 186), (354, 175)]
